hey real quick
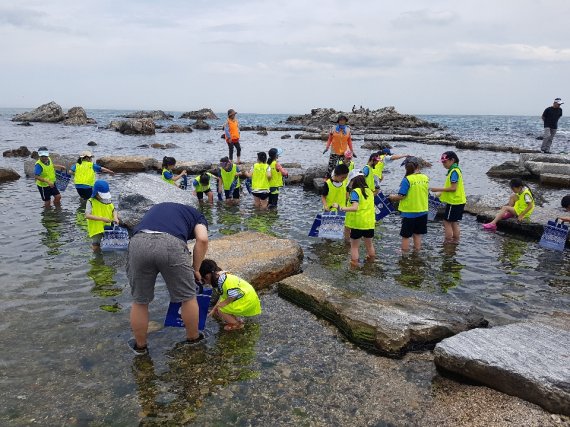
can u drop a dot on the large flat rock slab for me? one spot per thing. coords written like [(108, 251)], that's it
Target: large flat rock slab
[(391, 322), (129, 163), (259, 258), (528, 360)]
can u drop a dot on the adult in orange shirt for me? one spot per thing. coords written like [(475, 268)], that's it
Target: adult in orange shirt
[(340, 140), (231, 132)]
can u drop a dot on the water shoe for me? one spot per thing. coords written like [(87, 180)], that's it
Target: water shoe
[(489, 226), (132, 343)]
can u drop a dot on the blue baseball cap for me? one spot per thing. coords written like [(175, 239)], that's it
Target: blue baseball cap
[(101, 187), (386, 151)]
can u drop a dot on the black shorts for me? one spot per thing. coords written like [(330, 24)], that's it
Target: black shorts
[(48, 192), (261, 196), (357, 234), (200, 194), (453, 213), (84, 193), (411, 226), (235, 194)]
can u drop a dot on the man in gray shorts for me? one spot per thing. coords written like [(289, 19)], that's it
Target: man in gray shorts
[(159, 245)]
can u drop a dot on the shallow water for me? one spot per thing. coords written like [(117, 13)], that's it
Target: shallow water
[(65, 316)]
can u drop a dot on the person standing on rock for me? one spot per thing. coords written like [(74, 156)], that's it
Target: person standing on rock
[(159, 245), (550, 118), (340, 140), (44, 172), (232, 135)]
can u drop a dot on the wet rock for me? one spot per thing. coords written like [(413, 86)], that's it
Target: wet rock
[(528, 360), (171, 145), (310, 175), (239, 253), (467, 145), (316, 137), (204, 113), (154, 115), (376, 145), (177, 129), (134, 127), (25, 124), (128, 163), (291, 165), (194, 167), (509, 169), (92, 144), (285, 136), (7, 174), (298, 135), (200, 124), (46, 113), (23, 151), (539, 138), (157, 145), (555, 180), (143, 146), (76, 116), (392, 322), (544, 158), (263, 132)]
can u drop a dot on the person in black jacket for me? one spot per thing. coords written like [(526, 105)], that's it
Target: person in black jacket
[(550, 118)]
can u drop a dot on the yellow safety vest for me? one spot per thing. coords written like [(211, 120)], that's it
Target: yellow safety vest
[(456, 197), (104, 210), (170, 181), (259, 180), (379, 168), (417, 198), (229, 177), (521, 204), (276, 177), (365, 217), (370, 178), (48, 172), (202, 188), (84, 173), (336, 194), (247, 305)]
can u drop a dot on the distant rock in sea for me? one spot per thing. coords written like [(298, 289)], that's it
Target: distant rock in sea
[(154, 115), (134, 126), (204, 114), (177, 129), (23, 151), (76, 116), (46, 113), (200, 124)]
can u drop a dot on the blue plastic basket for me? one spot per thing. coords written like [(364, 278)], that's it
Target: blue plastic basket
[(174, 318), (62, 180), (328, 225), (433, 207), (115, 238), (184, 183), (383, 206), (554, 236)]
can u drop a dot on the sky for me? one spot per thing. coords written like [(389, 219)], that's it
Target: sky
[(423, 57)]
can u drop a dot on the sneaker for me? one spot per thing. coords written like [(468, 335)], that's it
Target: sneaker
[(489, 226), (200, 338), (132, 343)]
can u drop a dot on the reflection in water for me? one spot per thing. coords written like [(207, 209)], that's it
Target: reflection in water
[(52, 219), (230, 219), (104, 278), (511, 250), (450, 275), (80, 219), (413, 269), (194, 373)]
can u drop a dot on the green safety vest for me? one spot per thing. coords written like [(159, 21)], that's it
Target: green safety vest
[(99, 209), (456, 197), (170, 181), (417, 198), (370, 178), (247, 305), (84, 174), (259, 180), (202, 188), (336, 194), (276, 177), (365, 217), (48, 172), (521, 204), (379, 168), (229, 177)]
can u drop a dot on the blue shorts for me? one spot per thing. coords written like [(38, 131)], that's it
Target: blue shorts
[(229, 194), (48, 192)]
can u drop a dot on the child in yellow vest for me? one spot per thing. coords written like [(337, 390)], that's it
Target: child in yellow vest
[(237, 297), (85, 172), (99, 212), (277, 174), (260, 175), (360, 216), (44, 171), (521, 205), (335, 191), (168, 164), (202, 186), (413, 197)]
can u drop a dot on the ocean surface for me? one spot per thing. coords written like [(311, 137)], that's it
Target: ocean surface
[(65, 311)]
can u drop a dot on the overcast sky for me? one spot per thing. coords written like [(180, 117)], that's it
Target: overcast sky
[(437, 56)]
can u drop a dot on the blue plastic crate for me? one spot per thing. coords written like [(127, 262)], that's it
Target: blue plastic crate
[(174, 318), (554, 236)]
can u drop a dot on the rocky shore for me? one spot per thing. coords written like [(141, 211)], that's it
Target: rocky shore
[(53, 113)]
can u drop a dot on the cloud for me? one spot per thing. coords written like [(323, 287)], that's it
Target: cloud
[(505, 54), (425, 17), (29, 19)]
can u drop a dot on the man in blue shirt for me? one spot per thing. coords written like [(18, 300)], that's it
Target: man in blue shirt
[(159, 245)]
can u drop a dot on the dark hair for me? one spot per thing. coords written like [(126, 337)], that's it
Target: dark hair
[(79, 160), (225, 159), (359, 182), (208, 266), (204, 178), (565, 202), (341, 169), (411, 168), (451, 155), (516, 182), (262, 157), (373, 156), (168, 161), (272, 154)]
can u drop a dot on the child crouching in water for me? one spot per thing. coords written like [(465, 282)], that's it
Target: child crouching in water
[(521, 205), (237, 297), (99, 212)]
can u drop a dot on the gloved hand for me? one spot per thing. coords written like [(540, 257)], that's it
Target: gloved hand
[(326, 149), (354, 155)]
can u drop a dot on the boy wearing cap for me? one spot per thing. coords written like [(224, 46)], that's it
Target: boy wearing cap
[(340, 140), (85, 174), (228, 180), (44, 172), (550, 117), (99, 212), (232, 135)]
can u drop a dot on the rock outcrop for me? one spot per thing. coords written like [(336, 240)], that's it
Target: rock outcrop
[(154, 115), (129, 163), (391, 322), (193, 167), (177, 129), (7, 174), (528, 360), (76, 116), (204, 114), (200, 124), (23, 151), (46, 113), (134, 127), (240, 254), (549, 169)]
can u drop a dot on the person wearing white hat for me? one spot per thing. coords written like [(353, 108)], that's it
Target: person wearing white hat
[(550, 117), (84, 172), (44, 171), (99, 212)]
